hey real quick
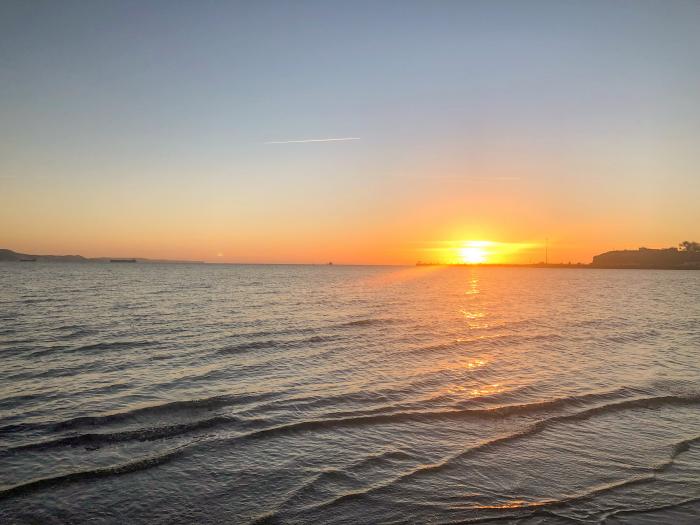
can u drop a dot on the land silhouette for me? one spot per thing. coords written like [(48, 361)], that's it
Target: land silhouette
[(12, 256), (685, 257)]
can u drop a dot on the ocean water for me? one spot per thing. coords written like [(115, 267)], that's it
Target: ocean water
[(136, 393)]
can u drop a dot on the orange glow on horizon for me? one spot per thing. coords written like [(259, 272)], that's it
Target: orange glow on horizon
[(474, 252), (479, 252)]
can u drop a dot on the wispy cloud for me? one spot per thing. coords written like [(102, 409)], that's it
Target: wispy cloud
[(457, 177), (304, 141)]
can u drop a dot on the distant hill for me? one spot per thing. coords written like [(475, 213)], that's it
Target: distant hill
[(671, 258), (9, 255)]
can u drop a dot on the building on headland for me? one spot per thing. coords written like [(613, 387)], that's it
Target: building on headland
[(648, 258)]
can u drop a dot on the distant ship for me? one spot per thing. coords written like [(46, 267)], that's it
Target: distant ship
[(123, 260), (33, 259)]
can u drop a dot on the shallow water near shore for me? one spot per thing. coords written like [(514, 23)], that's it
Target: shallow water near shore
[(151, 393)]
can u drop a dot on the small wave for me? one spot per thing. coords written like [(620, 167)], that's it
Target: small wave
[(560, 402), (358, 323), (648, 510), (94, 441), (279, 331), (644, 402), (362, 398), (268, 518), (85, 475), (495, 340), (589, 494), (77, 334), (33, 351), (275, 343), (38, 300), (320, 338), (633, 336), (683, 446), (115, 345), (11, 402), (542, 508), (165, 409), (14, 341), (208, 403), (252, 345), (345, 474), (509, 340)]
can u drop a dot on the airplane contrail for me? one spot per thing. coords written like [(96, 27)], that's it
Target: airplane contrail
[(310, 140)]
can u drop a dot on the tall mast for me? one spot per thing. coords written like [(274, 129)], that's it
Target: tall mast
[(546, 250)]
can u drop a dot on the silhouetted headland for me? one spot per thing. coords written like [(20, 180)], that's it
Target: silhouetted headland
[(9, 255), (687, 256)]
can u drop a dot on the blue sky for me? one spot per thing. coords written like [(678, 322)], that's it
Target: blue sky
[(580, 110)]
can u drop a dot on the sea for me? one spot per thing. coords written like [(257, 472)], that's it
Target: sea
[(254, 394)]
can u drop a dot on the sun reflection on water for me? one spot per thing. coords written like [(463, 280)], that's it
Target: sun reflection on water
[(473, 287), (473, 317), (473, 392), (476, 363)]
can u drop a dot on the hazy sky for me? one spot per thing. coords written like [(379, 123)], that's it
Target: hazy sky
[(178, 129)]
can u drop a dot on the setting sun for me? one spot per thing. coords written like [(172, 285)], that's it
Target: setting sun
[(473, 252), (482, 252)]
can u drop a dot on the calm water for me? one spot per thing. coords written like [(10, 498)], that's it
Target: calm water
[(299, 394)]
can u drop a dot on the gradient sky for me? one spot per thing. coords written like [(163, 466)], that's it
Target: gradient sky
[(153, 129)]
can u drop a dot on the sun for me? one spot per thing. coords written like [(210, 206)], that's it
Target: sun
[(472, 255), (473, 252)]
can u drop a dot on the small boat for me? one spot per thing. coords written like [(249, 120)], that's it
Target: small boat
[(122, 260)]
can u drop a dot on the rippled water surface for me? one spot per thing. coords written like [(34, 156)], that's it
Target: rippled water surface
[(139, 393)]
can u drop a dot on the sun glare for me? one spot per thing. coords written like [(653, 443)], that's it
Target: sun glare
[(472, 255), (481, 252), (473, 252)]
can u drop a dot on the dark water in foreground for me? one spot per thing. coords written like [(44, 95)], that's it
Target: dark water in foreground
[(273, 394)]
